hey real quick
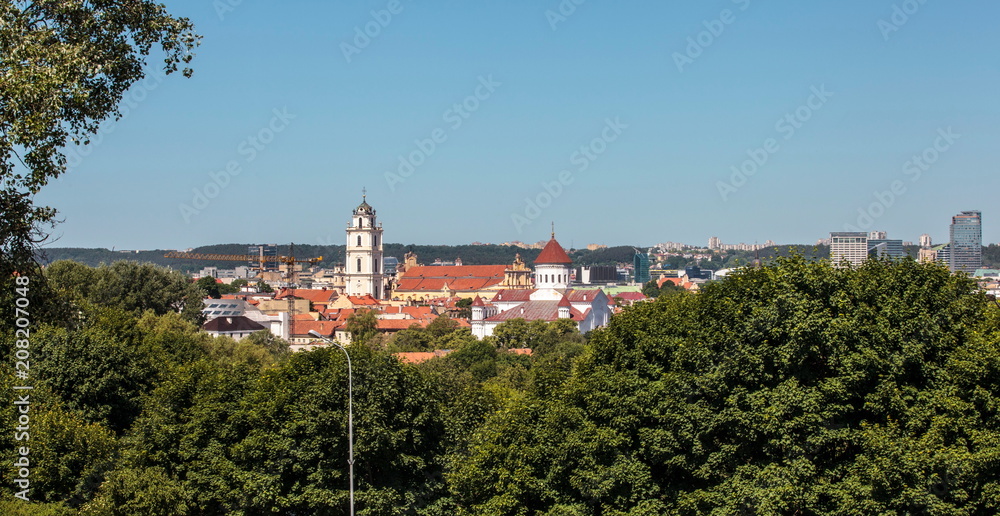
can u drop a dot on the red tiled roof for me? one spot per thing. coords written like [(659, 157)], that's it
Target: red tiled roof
[(456, 277), (676, 281), (416, 357), (326, 328), (564, 301), (400, 324), (478, 301), (365, 300), (323, 296), (553, 253), (519, 295), (536, 310), (631, 296), (583, 296), (416, 312)]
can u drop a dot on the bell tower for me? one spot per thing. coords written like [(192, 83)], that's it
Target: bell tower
[(363, 272)]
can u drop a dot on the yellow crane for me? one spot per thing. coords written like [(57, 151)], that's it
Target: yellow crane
[(261, 260)]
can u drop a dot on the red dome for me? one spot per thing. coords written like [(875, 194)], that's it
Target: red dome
[(553, 253)]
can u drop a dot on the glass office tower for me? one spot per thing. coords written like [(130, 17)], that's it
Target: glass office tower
[(966, 242), (640, 262)]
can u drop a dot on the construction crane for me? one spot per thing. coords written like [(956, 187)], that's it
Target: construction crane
[(261, 260), (288, 260)]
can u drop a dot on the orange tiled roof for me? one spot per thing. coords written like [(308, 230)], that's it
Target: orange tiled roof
[(583, 296), (519, 295), (323, 296), (400, 324), (676, 281), (457, 277), (326, 328), (365, 300), (416, 312), (338, 314), (416, 357)]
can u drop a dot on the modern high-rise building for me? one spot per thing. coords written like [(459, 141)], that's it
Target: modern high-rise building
[(640, 262), (884, 247), (966, 253), (926, 242), (263, 257), (856, 247), (851, 246)]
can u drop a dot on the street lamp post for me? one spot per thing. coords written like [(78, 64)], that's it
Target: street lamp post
[(350, 411)]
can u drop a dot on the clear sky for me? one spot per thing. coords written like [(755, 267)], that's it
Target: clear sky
[(307, 113)]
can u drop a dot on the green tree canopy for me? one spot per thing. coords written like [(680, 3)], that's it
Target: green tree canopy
[(794, 389), (65, 68), (363, 326), (131, 286)]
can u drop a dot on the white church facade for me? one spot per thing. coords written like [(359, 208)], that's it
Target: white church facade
[(550, 300)]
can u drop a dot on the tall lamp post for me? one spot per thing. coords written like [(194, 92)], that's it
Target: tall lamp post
[(350, 410)]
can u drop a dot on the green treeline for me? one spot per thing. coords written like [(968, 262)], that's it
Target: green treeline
[(797, 388)]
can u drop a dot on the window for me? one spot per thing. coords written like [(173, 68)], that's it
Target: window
[(359, 240), (359, 264)]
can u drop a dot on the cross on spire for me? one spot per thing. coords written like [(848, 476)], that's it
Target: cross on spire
[(553, 230), (364, 193)]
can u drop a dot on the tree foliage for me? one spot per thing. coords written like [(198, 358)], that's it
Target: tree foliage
[(793, 389), (65, 67), (131, 286), (797, 388), (363, 326)]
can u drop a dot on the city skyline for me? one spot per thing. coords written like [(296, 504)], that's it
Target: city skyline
[(741, 120)]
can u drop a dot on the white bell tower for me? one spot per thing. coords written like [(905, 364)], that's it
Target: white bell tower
[(363, 268)]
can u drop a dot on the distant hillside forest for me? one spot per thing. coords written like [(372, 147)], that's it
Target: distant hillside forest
[(470, 255), (334, 255)]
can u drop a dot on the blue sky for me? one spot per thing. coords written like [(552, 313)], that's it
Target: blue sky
[(306, 114)]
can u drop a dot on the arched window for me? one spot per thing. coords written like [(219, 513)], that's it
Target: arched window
[(359, 264), (359, 240)]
